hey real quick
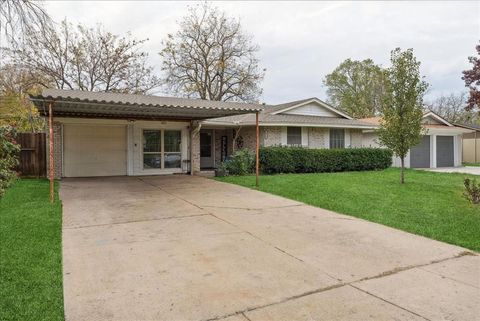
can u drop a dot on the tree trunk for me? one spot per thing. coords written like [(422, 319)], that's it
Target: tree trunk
[(402, 171)]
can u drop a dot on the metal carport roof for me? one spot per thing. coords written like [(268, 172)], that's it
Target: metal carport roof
[(77, 103)]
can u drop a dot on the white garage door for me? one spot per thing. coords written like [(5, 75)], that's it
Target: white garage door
[(94, 150)]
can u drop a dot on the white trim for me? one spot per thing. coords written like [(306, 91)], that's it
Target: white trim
[(327, 139), (440, 119), (456, 152), (348, 139), (447, 131), (130, 158), (91, 121), (229, 124), (305, 136), (283, 140), (433, 151), (316, 100)]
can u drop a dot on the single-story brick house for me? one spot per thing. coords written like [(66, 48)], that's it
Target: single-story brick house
[(441, 146), (111, 134), (309, 122)]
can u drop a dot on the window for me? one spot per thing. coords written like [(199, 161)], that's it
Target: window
[(205, 144), (152, 149), (161, 149), (337, 138), (172, 142), (294, 136)]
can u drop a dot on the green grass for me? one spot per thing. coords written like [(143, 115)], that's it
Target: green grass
[(471, 164), (30, 253), (428, 204)]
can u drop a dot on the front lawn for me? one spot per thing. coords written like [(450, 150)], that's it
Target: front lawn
[(471, 164), (30, 253), (429, 204)]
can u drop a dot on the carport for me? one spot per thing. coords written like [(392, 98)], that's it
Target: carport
[(113, 134)]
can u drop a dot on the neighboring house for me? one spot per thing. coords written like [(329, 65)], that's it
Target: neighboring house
[(441, 146), (309, 122), (471, 144)]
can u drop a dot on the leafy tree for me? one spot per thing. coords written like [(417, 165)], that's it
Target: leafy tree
[(83, 58), (16, 110), (452, 108), (15, 107), (210, 57), (9, 150), (402, 111), (472, 81), (356, 87)]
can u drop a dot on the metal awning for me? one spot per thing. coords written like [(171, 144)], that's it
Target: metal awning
[(76, 103)]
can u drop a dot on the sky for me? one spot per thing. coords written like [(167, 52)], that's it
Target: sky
[(301, 42)]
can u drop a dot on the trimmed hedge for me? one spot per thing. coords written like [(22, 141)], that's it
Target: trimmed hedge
[(281, 159)]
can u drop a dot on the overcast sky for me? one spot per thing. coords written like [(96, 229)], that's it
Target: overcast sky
[(301, 42)]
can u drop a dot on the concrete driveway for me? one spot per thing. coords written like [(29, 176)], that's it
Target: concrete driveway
[(190, 248)]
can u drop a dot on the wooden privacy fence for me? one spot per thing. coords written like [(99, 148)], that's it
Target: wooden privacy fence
[(32, 155), (471, 150)]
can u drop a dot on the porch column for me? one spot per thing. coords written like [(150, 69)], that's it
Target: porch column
[(257, 150), (194, 147), (50, 152)]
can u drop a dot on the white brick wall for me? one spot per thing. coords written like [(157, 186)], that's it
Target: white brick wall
[(57, 149), (317, 137)]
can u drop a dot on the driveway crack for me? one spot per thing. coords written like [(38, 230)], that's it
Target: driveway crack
[(389, 302), (342, 284)]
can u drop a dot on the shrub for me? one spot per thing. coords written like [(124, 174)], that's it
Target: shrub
[(281, 159), (242, 162), (9, 150), (472, 190)]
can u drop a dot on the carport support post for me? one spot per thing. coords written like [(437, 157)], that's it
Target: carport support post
[(50, 152), (257, 150), (191, 147)]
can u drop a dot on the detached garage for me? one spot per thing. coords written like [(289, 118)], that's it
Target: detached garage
[(441, 146)]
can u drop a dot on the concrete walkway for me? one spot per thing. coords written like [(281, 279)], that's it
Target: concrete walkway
[(473, 170), (190, 248)]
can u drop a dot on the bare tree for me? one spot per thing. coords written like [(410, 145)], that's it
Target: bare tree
[(91, 59), (452, 108), (18, 17), (210, 57)]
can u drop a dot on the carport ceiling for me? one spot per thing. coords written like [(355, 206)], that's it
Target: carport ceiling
[(76, 103)]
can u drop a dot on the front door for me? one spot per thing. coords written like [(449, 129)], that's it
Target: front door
[(206, 149)]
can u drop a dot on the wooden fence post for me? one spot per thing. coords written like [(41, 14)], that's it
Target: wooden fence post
[(51, 164)]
